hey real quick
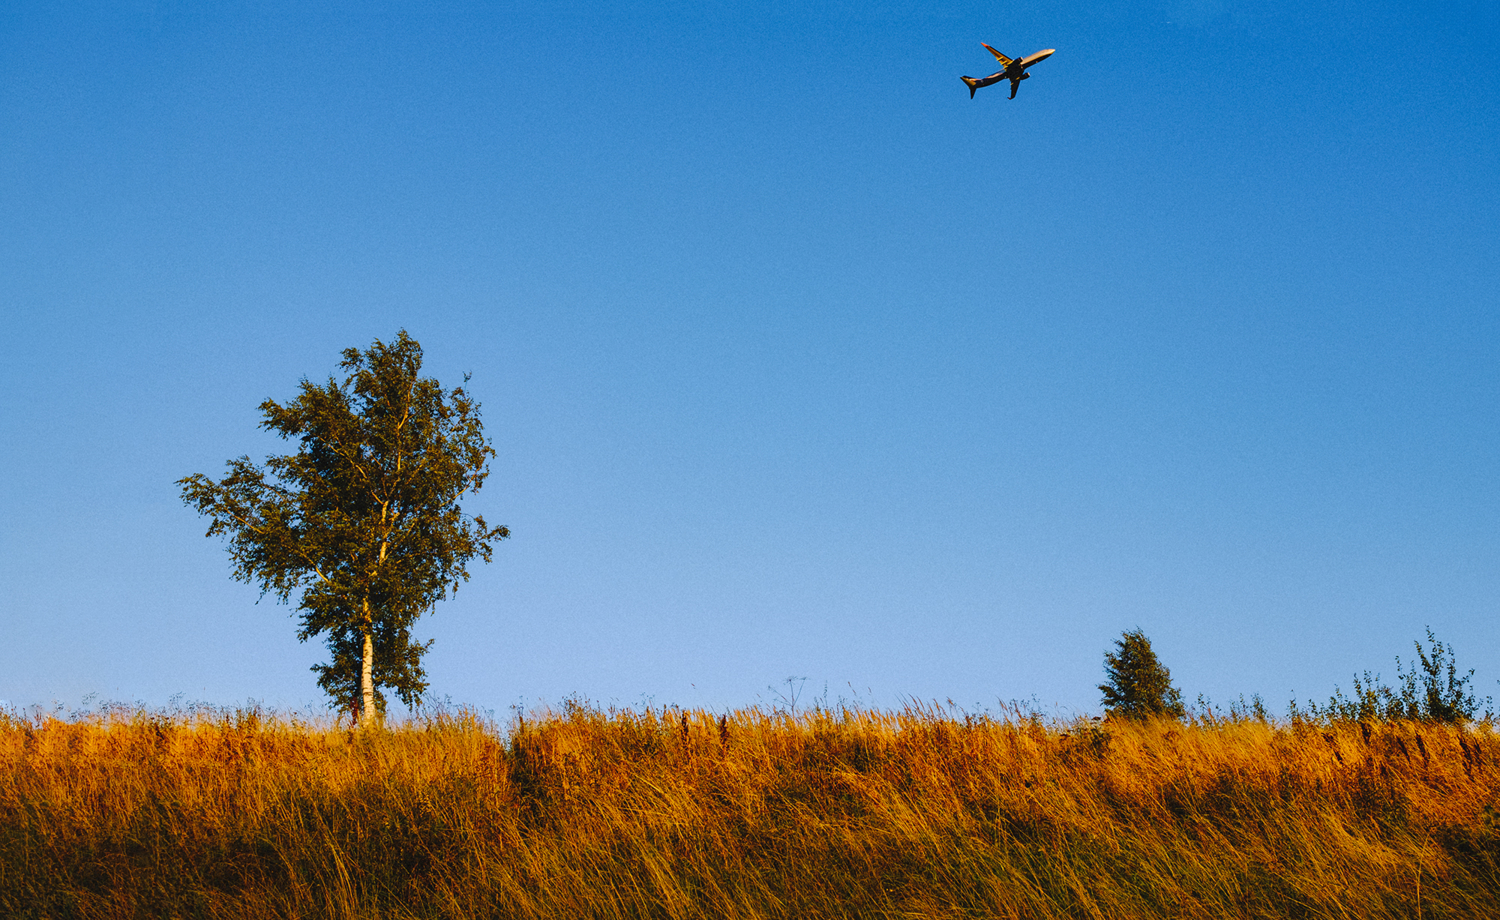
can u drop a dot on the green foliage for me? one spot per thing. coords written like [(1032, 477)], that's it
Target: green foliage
[(1136, 683), (363, 521), (1429, 690), (1206, 712)]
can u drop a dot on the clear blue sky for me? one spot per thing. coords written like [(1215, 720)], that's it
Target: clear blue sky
[(798, 361)]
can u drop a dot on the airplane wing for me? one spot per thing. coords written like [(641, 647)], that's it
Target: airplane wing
[(1030, 59), (1004, 61)]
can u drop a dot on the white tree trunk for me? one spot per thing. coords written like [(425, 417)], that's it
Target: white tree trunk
[(367, 682)]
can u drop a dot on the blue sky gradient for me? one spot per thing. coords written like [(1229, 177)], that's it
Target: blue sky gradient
[(798, 361)]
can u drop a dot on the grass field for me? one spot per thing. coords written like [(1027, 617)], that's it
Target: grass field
[(673, 814)]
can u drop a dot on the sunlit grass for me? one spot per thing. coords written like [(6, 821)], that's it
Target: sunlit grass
[(671, 813)]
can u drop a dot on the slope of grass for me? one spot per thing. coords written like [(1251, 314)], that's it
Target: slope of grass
[(674, 814)]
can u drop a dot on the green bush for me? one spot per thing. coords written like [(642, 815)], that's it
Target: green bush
[(1137, 684), (1429, 690)]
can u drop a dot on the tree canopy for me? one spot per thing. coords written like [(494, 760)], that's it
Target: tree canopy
[(363, 521)]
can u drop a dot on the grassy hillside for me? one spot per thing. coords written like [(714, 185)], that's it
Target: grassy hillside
[(683, 814)]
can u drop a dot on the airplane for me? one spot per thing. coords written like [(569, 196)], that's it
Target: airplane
[(1015, 71)]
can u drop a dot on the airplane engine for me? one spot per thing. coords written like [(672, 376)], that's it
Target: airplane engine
[(1025, 76)]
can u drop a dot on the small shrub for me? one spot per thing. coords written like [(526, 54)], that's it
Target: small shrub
[(1429, 690), (1137, 684)]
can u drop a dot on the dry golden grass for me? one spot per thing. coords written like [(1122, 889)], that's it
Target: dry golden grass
[(682, 814)]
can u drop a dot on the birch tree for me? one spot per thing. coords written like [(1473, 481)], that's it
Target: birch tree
[(362, 523)]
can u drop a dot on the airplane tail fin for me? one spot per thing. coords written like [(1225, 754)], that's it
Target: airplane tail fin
[(973, 85)]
